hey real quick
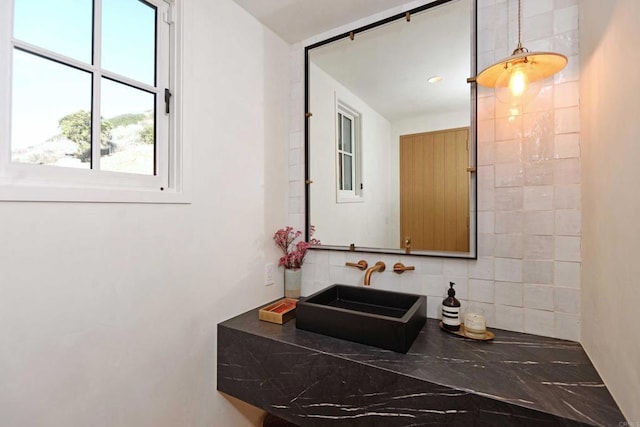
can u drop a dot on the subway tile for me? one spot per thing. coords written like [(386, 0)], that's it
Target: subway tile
[(567, 326), (486, 199), (434, 286), (567, 274), (485, 222), (539, 322), (539, 222), (426, 265), (338, 258), (565, 19), (296, 205), (295, 157), (566, 95), (486, 153), (509, 222), (509, 175), (508, 151), (508, 246), (561, 4), (567, 300), (567, 146), (567, 120), (295, 172), (538, 272), (481, 268), (539, 297), (566, 171), (295, 140), (295, 189), (508, 270), (485, 177), (481, 290), (568, 222), (510, 318), (486, 244), (539, 26), (543, 100), (567, 43), (570, 73), (538, 198), (507, 128), (456, 267), (537, 148), (509, 293), (486, 130), (434, 307), (508, 199), (567, 196), (486, 107), (538, 247), (538, 173), (533, 8), (567, 248)]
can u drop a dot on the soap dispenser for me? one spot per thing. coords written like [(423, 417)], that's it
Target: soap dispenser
[(451, 310)]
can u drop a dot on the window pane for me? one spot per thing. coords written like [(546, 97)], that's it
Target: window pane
[(340, 177), (62, 26), (348, 173), (346, 134), (50, 117), (129, 39), (128, 120)]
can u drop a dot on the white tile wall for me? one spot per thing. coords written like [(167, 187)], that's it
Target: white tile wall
[(527, 276)]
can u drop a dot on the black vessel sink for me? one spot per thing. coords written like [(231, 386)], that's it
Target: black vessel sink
[(384, 319)]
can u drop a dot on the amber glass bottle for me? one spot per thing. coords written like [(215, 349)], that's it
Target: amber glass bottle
[(451, 310)]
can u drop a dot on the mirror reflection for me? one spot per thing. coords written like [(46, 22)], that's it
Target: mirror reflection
[(391, 135)]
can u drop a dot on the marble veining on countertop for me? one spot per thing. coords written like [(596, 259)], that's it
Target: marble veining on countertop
[(544, 375)]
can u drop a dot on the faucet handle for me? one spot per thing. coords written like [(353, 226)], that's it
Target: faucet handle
[(400, 268), (362, 264)]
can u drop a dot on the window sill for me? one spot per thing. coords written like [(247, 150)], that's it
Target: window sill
[(23, 193)]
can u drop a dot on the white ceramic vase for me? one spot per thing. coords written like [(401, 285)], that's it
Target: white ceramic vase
[(292, 282)]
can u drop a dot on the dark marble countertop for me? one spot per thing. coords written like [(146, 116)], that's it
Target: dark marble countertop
[(518, 376)]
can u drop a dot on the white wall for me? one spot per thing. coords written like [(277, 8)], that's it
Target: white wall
[(610, 111), (362, 222), (108, 312), (527, 276)]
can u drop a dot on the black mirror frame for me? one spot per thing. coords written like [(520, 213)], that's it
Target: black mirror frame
[(472, 254)]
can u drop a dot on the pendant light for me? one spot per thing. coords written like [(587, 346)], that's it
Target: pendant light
[(515, 77)]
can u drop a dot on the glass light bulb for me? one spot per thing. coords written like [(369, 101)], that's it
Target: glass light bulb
[(518, 84)]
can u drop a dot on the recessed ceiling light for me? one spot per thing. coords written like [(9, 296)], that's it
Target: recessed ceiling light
[(434, 79)]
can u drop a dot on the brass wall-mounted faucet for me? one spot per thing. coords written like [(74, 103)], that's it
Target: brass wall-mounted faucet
[(379, 266), (362, 264)]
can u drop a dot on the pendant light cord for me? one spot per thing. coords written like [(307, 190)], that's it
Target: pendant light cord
[(520, 48)]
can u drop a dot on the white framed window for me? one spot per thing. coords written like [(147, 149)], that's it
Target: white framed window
[(349, 186), (92, 111)]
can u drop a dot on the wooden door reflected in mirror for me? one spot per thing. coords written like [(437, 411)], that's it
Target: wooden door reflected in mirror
[(434, 190)]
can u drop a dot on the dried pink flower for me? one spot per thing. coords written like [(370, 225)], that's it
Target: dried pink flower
[(294, 254)]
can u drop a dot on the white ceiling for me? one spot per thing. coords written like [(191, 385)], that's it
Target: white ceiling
[(402, 55), (297, 20), (388, 67)]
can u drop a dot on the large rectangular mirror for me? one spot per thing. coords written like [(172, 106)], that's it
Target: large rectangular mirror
[(391, 134)]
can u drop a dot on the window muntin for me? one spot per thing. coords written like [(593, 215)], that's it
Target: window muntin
[(38, 100), (348, 154)]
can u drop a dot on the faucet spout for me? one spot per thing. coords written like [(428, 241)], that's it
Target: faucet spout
[(379, 266)]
